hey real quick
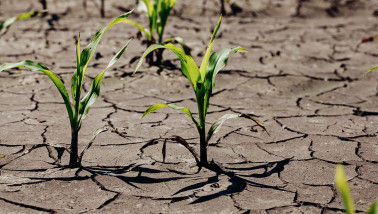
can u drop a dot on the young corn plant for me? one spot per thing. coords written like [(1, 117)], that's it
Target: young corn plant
[(157, 12), (4, 26), (79, 108), (343, 187), (203, 81)]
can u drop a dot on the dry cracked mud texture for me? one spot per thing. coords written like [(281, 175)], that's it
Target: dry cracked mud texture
[(301, 77)]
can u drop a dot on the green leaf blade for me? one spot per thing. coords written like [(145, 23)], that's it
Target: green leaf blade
[(372, 69), (5, 25), (94, 91), (208, 51), (188, 66), (342, 186), (90, 49), (165, 9), (33, 66), (154, 108), (218, 124), (373, 209), (216, 62), (146, 33), (173, 106)]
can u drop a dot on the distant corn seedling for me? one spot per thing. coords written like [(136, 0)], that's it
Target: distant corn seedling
[(157, 12)]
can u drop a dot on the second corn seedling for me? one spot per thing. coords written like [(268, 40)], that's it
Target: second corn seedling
[(203, 81)]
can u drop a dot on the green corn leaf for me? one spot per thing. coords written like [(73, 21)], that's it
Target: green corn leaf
[(4, 26), (218, 124), (373, 209), (145, 32), (372, 69), (216, 62), (87, 54), (150, 8), (154, 108), (208, 51), (342, 186), (219, 60), (33, 66), (188, 66), (165, 8), (90, 49), (200, 92), (94, 91), (172, 105), (74, 78), (179, 40)]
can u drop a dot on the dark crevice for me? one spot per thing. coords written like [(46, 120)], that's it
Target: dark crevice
[(34, 101), (28, 206), (102, 187)]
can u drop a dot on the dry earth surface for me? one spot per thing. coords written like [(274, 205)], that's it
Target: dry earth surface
[(301, 78)]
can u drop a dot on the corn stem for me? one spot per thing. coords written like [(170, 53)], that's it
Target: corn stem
[(74, 149)]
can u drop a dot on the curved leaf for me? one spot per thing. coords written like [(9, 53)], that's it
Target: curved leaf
[(179, 40), (219, 60), (208, 51), (85, 57), (372, 69), (172, 105), (89, 50), (188, 66), (183, 142), (33, 66), (216, 63), (94, 91), (218, 124), (4, 26), (342, 186), (147, 34)]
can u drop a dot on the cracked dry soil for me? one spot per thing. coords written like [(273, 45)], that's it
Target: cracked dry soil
[(301, 78)]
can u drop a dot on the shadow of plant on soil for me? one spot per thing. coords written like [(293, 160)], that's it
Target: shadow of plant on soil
[(239, 182)]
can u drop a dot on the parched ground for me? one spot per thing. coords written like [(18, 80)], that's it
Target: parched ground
[(301, 78)]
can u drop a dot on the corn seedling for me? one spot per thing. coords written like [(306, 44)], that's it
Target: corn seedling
[(343, 187), (157, 12), (203, 81), (4, 26), (79, 108)]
